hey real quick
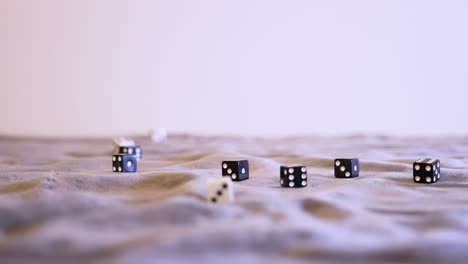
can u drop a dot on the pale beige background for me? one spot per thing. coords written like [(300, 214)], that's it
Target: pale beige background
[(246, 67)]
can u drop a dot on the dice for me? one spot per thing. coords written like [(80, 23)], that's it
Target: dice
[(293, 177), (122, 141), (131, 150), (124, 163), (236, 170), (220, 190), (426, 171), (158, 135), (346, 168)]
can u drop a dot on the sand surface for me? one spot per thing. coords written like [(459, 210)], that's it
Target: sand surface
[(60, 202)]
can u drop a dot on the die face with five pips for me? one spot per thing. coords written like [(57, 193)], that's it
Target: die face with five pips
[(426, 171), (124, 163), (346, 168), (293, 176), (237, 170)]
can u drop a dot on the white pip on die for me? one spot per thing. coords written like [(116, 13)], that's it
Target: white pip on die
[(220, 190), (426, 171), (127, 146)]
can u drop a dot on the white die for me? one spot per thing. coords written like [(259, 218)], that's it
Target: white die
[(158, 134), (220, 190), (121, 141)]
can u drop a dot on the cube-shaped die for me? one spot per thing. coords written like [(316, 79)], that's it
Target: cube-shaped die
[(237, 170), (346, 168), (121, 141), (293, 176), (130, 150), (124, 163), (426, 170), (220, 190)]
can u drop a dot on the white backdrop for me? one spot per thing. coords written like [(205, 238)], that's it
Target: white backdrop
[(241, 67)]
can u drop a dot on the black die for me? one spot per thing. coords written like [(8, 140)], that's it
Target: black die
[(237, 170), (346, 168), (293, 177), (426, 171), (124, 163), (130, 150)]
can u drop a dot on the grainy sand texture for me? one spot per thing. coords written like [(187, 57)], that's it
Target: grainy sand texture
[(60, 202)]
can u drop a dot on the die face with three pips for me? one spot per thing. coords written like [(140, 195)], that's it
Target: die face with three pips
[(237, 170), (220, 190), (426, 171), (346, 168), (293, 176), (124, 163)]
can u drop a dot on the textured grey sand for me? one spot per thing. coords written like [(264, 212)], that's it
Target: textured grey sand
[(60, 202)]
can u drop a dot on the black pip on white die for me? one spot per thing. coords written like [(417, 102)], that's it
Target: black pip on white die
[(346, 168), (220, 190), (237, 170), (426, 170), (124, 163), (293, 177), (131, 150)]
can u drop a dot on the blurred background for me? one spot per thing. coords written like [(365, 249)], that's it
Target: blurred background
[(257, 67)]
